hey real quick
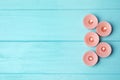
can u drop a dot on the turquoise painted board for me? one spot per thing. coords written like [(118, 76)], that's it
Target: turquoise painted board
[(59, 4), (57, 57), (52, 25), (58, 77), (43, 40)]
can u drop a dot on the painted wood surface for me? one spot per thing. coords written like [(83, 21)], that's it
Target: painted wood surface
[(58, 76), (59, 4), (43, 40), (62, 57), (52, 25)]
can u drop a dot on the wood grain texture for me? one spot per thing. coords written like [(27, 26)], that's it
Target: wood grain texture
[(53, 57), (43, 40), (59, 4), (53, 25), (58, 77)]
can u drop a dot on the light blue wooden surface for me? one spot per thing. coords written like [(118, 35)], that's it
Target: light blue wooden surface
[(43, 40), (59, 4), (52, 25), (57, 57)]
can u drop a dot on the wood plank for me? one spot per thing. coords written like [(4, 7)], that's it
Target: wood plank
[(53, 57), (52, 25), (59, 4), (58, 77)]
